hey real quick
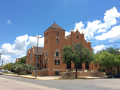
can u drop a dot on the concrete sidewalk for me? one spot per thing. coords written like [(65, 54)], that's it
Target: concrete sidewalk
[(53, 77)]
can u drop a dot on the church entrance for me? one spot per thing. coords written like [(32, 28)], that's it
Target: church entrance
[(86, 65), (69, 66)]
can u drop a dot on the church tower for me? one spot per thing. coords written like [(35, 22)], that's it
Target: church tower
[(53, 44)]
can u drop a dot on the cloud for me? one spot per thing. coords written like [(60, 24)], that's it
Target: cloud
[(19, 47), (113, 34), (67, 33), (101, 30), (98, 48), (110, 17), (8, 21), (6, 59), (33, 41), (97, 26)]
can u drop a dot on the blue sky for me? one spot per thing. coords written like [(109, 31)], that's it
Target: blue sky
[(21, 19)]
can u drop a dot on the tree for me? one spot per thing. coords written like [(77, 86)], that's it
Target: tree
[(106, 60), (117, 61), (22, 60), (22, 67), (79, 54), (7, 66)]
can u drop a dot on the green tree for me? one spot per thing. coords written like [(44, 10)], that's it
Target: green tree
[(76, 54), (22, 60), (22, 67), (8, 66), (106, 60)]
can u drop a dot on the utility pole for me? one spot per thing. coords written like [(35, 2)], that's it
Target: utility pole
[(37, 53)]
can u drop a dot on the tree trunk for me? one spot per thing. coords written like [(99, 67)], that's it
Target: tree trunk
[(110, 70), (76, 71), (118, 69)]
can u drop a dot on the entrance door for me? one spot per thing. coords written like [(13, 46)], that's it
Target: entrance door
[(86, 65), (69, 66), (56, 73)]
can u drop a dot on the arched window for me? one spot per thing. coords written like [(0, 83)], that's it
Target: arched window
[(58, 62), (55, 61), (77, 37), (57, 40)]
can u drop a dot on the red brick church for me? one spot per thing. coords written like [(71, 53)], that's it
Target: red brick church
[(51, 53)]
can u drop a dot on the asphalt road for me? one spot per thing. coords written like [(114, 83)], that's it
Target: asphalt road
[(18, 83)]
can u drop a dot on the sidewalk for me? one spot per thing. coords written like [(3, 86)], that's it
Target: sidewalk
[(52, 77)]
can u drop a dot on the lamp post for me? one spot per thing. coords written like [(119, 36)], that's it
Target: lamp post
[(37, 53)]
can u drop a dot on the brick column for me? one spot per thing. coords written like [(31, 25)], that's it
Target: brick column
[(83, 66), (72, 66)]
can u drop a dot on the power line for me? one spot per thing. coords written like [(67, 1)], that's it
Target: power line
[(105, 44), (93, 15)]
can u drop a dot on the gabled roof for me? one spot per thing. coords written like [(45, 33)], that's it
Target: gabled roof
[(40, 50), (55, 26)]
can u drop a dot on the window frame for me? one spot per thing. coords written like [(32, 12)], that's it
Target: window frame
[(57, 54), (55, 61), (77, 36), (57, 40)]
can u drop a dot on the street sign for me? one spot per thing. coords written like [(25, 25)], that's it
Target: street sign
[(57, 63)]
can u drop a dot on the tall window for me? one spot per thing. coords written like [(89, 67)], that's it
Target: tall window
[(57, 40), (55, 61), (96, 65), (37, 64), (57, 54), (46, 54), (58, 62), (77, 37), (31, 57)]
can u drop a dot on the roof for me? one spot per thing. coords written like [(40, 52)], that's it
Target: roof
[(40, 50), (55, 26), (68, 36)]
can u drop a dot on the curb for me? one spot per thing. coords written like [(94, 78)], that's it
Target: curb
[(21, 76)]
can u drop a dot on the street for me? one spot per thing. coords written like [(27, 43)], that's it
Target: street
[(18, 83)]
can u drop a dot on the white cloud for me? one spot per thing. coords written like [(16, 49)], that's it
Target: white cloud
[(33, 41), (67, 33), (8, 21), (112, 35), (101, 30), (6, 59), (19, 47), (98, 48), (110, 17), (97, 26)]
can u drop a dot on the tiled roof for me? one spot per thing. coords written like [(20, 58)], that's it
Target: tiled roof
[(55, 26), (40, 50)]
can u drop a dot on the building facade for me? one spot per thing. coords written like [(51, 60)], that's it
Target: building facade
[(54, 41)]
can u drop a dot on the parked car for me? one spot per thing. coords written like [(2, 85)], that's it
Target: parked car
[(116, 76), (0, 72)]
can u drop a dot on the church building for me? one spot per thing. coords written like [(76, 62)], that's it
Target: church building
[(51, 63)]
